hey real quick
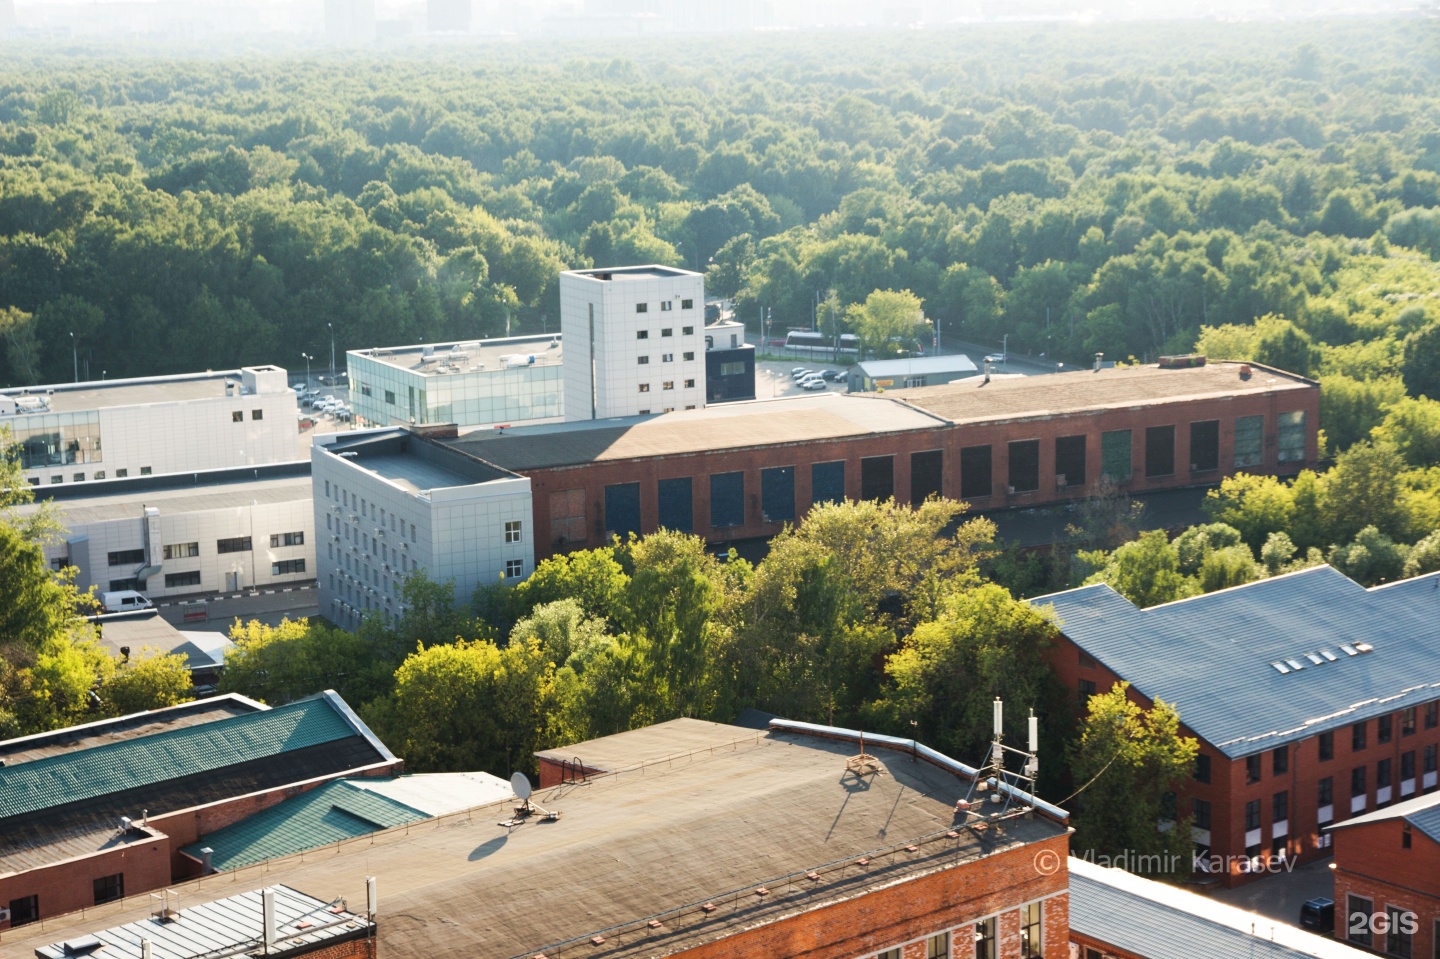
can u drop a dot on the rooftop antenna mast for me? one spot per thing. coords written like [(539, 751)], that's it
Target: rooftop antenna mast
[(993, 775)]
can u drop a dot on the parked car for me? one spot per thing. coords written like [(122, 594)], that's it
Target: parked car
[(124, 601), (831, 376), (814, 383), (800, 372), (995, 358), (299, 389), (1318, 915)]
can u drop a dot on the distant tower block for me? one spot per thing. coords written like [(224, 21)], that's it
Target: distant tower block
[(350, 21), (7, 15), (634, 341), (448, 16)]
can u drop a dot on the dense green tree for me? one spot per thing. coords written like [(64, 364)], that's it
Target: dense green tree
[(1146, 571), (1371, 558), (149, 680)]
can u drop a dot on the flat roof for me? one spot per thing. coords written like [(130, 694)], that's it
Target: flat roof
[(919, 365), (973, 400), (651, 271), (80, 397), (1215, 656), (411, 461), (226, 927), (769, 422), (662, 839), (149, 630), (479, 356), (229, 494), (1159, 921)]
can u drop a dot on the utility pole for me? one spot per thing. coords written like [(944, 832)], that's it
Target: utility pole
[(332, 354), (307, 369), (75, 357)]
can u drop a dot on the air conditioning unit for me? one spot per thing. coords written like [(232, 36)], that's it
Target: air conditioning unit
[(4, 915), (379, 531), (1010, 490), (405, 547)]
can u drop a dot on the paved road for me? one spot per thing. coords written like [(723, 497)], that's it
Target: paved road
[(1280, 896), (218, 611)]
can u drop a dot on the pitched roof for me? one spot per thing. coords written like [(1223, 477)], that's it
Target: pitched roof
[(326, 814), (1422, 812), (115, 767), (1214, 656), (227, 927), (1157, 921)]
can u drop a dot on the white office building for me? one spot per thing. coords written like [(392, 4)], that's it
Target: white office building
[(219, 535), (118, 429), (475, 383), (390, 501), (634, 341)]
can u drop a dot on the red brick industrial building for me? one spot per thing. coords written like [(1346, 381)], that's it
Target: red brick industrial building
[(1387, 879), (1313, 700), (744, 470), (99, 813), (704, 841)]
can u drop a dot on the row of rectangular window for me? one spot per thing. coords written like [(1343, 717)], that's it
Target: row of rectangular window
[(666, 385), (984, 936), (1325, 789), (666, 306), (665, 331), (687, 356), (352, 501), (238, 416), (1385, 726), (58, 478), (1395, 926)]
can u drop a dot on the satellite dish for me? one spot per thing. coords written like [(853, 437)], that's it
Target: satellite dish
[(520, 783)]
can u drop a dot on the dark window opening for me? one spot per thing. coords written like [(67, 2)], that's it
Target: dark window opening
[(1024, 466), (676, 502), (974, 472), (109, 888), (777, 494), (1160, 451), (877, 478), (927, 476), (727, 500), (1069, 461), (827, 482), (24, 911), (1115, 455), (127, 557), (1204, 446), (622, 509)]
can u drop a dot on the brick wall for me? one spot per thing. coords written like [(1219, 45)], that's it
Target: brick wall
[(1371, 861), (907, 913), (1229, 789), (353, 949), (68, 885), (582, 487)]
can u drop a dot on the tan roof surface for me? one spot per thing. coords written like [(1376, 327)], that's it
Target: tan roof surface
[(972, 399), (480, 355), (94, 396), (796, 419), (675, 834), (230, 494)]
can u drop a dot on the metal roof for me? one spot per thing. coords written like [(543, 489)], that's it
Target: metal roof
[(227, 927), (1422, 812), (65, 741), (919, 365), (114, 767), (1157, 921), (326, 814), (1213, 656)]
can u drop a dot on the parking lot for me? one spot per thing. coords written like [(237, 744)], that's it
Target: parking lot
[(772, 378)]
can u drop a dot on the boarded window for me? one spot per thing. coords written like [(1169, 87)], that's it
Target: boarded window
[(622, 509), (1069, 461), (777, 494), (974, 472), (674, 498), (1204, 446), (1292, 437), (567, 516), (927, 475), (877, 477), (727, 499), (1160, 451), (1115, 455), (827, 482), (1249, 441), (1025, 466)]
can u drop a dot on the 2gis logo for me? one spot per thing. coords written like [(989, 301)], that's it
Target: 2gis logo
[(1362, 925)]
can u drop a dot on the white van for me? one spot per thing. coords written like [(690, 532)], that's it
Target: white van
[(123, 601)]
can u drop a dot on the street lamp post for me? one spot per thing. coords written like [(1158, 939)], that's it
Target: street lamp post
[(1005, 352), (308, 358), (75, 357), (332, 353)]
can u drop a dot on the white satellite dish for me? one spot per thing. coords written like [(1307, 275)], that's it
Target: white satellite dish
[(520, 783)]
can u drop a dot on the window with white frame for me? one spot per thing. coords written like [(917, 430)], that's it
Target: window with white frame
[(512, 531), (514, 568), (1032, 938)]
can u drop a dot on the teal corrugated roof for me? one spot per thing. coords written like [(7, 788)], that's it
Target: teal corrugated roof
[(326, 814), (114, 767)]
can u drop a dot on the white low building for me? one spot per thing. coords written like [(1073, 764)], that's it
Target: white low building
[(221, 534), (389, 502), (117, 429)]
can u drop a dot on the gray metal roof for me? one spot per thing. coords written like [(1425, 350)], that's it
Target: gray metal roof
[(1212, 655), (226, 927), (919, 365), (1157, 921), (1422, 812)]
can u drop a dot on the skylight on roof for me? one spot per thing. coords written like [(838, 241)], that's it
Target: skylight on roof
[(1315, 658), (1364, 647), (1349, 650), (1280, 668), (1294, 664), (1329, 656)]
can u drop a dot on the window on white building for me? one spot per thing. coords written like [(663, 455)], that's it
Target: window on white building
[(514, 568), (512, 531)]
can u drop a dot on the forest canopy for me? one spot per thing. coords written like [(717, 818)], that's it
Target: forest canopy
[(1112, 188)]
